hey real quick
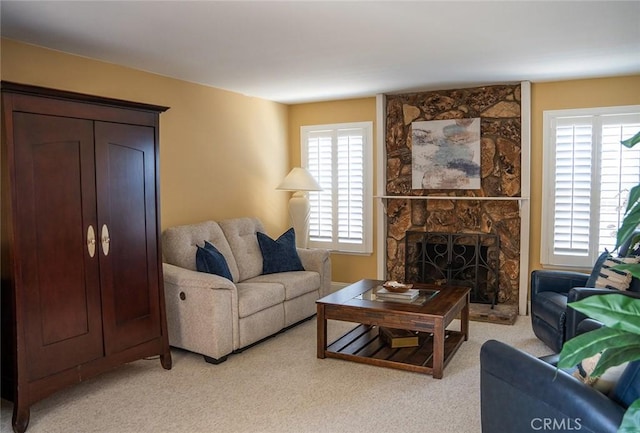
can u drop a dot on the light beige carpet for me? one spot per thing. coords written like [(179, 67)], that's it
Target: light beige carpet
[(278, 386)]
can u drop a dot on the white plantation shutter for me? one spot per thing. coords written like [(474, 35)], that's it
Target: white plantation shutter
[(587, 175), (620, 169), (319, 157), (338, 156), (572, 189), (350, 186)]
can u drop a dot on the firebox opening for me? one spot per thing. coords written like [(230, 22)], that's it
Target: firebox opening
[(461, 259)]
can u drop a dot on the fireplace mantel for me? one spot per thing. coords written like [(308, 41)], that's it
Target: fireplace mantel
[(446, 197), (521, 200)]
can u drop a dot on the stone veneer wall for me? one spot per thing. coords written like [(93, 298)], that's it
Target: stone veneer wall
[(500, 129)]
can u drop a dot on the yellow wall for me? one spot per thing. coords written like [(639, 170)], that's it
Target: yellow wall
[(221, 153), (603, 92), (346, 268)]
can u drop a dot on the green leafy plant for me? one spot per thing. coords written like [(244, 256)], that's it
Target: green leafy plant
[(631, 219), (619, 340)]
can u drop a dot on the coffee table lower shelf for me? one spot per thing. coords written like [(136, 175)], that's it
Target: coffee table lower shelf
[(363, 344)]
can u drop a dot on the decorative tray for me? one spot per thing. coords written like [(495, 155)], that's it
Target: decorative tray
[(394, 286)]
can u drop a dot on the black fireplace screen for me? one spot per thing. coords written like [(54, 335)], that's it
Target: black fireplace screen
[(455, 259)]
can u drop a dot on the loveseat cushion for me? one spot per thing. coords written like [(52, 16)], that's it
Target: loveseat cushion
[(254, 297), (180, 244), (295, 283), (279, 255), (241, 236)]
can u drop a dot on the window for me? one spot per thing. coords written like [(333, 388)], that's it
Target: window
[(339, 157), (587, 176)]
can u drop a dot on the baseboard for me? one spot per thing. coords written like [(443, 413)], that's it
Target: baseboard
[(336, 285)]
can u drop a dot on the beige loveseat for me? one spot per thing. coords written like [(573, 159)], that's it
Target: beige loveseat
[(215, 316)]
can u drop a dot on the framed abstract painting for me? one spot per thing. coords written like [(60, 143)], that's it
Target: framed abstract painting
[(445, 154)]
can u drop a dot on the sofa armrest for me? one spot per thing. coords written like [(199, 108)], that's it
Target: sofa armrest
[(556, 281), (202, 311), (520, 392), (318, 260), (588, 325), (578, 293), (574, 317), (186, 277)]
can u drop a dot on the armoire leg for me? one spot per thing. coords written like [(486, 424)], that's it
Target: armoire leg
[(20, 418), (165, 360)]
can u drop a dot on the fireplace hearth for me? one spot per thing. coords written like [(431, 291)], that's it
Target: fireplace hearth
[(460, 259)]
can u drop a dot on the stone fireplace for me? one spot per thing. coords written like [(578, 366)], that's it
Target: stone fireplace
[(492, 210)]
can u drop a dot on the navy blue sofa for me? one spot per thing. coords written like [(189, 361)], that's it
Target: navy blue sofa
[(521, 393), (552, 321)]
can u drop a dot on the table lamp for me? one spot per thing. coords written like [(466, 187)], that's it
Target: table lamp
[(300, 180)]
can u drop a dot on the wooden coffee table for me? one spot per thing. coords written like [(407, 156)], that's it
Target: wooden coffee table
[(429, 314)]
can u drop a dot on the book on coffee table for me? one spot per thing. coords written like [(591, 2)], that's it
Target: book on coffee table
[(398, 337), (409, 295)]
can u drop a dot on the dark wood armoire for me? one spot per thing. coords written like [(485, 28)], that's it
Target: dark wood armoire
[(81, 263)]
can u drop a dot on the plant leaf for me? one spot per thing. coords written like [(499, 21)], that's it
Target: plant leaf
[(631, 419), (634, 196), (592, 342), (630, 142), (615, 311), (633, 246), (616, 356), (632, 268), (629, 223)]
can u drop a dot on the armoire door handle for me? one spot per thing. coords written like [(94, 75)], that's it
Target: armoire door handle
[(105, 240), (91, 241)]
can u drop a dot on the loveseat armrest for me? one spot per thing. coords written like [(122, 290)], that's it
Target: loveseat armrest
[(318, 260), (574, 317), (520, 393), (182, 276), (546, 280), (202, 311)]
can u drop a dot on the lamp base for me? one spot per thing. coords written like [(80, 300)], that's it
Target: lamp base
[(299, 210)]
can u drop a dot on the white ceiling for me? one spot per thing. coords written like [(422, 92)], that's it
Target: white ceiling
[(302, 51)]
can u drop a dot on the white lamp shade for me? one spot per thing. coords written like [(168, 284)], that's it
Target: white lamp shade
[(299, 179)]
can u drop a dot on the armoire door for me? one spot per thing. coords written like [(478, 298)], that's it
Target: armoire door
[(56, 213), (126, 194)]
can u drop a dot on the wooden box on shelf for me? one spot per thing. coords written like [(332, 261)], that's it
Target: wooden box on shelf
[(397, 338)]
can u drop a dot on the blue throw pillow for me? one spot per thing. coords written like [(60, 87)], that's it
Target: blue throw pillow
[(279, 255), (595, 272), (211, 261)]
